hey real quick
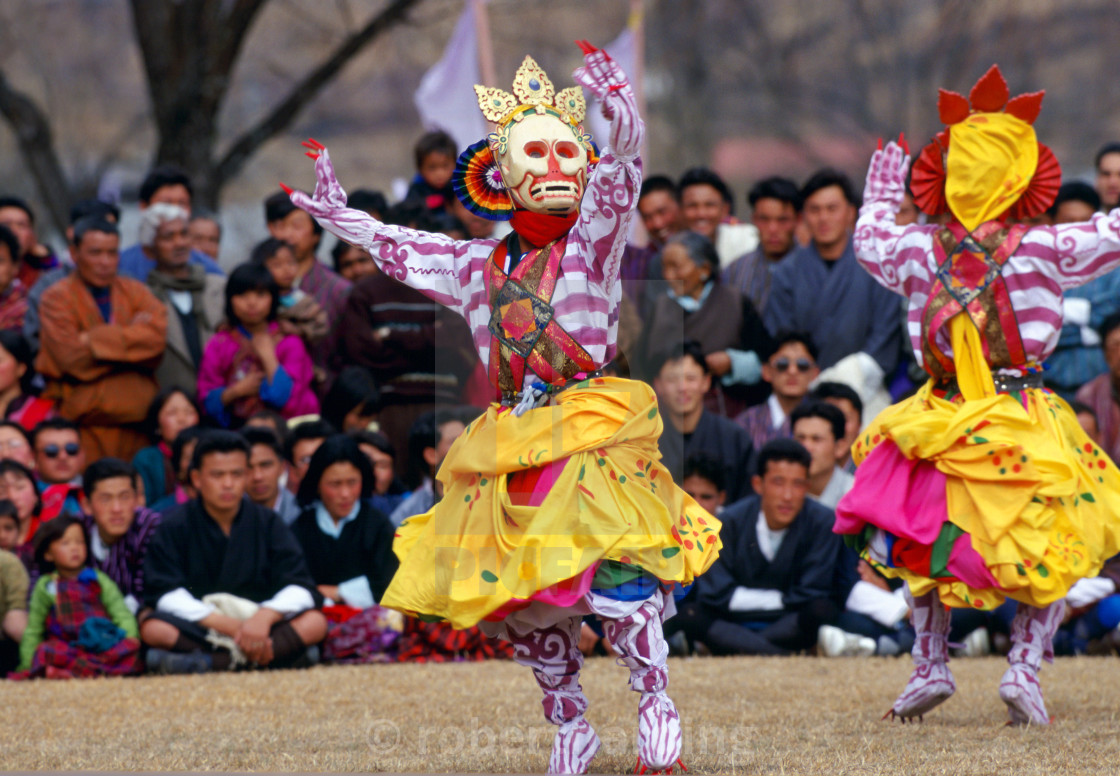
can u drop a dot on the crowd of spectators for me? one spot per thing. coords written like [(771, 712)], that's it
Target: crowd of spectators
[(202, 461)]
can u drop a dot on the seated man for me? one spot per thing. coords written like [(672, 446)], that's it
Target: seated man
[(223, 570), (118, 525), (791, 368), (775, 212), (819, 427), (681, 383), (770, 590), (266, 466), (102, 337), (1099, 394), (300, 444), (703, 480), (845, 399), (59, 462)]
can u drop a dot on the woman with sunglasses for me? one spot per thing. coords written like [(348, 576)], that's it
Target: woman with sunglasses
[(695, 306)]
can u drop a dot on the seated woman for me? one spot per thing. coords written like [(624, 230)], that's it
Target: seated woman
[(17, 485), (249, 364), (15, 444), (78, 624), (19, 402), (388, 489), (695, 306), (173, 410), (349, 550)]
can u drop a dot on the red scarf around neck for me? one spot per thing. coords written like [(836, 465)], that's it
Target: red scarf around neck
[(539, 229)]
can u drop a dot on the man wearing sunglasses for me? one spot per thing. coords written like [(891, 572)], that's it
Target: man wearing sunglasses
[(790, 370), (59, 463)]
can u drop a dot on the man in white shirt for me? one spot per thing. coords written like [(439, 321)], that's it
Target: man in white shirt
[(769, 591)]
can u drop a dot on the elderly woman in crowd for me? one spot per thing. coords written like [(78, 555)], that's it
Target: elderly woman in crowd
[(695, 306)]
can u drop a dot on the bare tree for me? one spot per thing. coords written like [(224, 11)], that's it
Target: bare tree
[(189, 50)]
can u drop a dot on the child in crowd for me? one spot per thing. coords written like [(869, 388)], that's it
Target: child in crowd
[(13, 295), (300, 314), (9, 526), (435, 153), (353, 401), (249, 364), (181, 451), (17, 485), (173, 410), (78, 624)]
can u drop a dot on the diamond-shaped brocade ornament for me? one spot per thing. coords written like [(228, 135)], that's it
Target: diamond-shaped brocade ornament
[(967, 271), (519, 318)]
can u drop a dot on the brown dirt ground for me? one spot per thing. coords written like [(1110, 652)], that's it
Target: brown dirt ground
[(742, 715)]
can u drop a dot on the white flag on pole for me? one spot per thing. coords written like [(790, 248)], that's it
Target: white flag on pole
[(446, 99)]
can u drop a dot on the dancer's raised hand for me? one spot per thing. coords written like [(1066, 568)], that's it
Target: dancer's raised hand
[(886, 174), (603, 77)]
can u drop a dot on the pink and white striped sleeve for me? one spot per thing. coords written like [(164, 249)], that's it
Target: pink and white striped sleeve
[(1074, 254), (893, 255)]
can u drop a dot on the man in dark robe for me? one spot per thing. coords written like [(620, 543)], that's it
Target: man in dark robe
[(220, 543), (681, 384), (821, 289), (771, 588)]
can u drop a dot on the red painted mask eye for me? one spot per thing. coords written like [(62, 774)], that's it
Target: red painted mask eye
[(536, 149), (566, 149)]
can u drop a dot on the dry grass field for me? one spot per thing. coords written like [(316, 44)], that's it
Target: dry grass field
[(743, 715)]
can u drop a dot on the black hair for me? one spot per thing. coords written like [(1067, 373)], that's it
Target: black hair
[(700, 249), (92, 224), (151, 419), (312, 429), (15, 343), (1108, 325), (246, 278), (278, 422), (781, 189), (50, 532), (85, 208), (1105, 150), (831, 390), (9, 466), (367, 200), (12, 424), (164, 175), (53, 424), (8, 509), (375, 439), (1081, 408), (179, 446), (9, 240), (829, 176), (255, 435), (823, 410), (106, 469), (706, 467), (279, 206), (18, 202), (439, 222), (218, 441), (434, 142), (655, 183), (337, 448), (702, 176), (408, 212), (784, 449), (339, 250), (786, 336), (353, 388), (1076, 191), (266, 249), (425, 433), (678, 350)]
